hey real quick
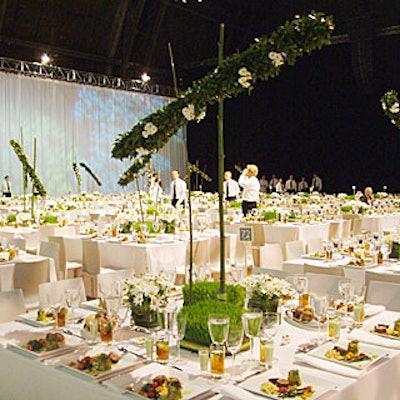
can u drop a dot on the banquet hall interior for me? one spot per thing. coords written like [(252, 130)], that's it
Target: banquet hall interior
[(199, 199)]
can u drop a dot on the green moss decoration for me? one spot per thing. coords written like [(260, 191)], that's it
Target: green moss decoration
[(391, 107)]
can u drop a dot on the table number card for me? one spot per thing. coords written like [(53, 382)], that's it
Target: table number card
[(246, 234)]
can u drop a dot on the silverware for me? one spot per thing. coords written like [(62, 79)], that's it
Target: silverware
[(68, 332), (125, 350)]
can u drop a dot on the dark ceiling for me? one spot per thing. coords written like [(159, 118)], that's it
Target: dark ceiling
[(126, 37)]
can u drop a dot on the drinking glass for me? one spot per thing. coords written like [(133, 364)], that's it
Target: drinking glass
[(178, 332), (358, 305), (218, 327), (156, 227), (238, 274), (268, 331), (144, 228), (251, 323), (320, 306), (346, 290), (72, 299), (234, 344), (204, 354)]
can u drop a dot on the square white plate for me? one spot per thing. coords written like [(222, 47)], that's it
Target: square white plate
[(138, 378), (30, 318), (319, 384), (370, 350)]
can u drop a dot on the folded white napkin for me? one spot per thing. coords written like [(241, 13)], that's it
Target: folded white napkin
[(377, 340), (236, 392), (327, 365), (372, 309)]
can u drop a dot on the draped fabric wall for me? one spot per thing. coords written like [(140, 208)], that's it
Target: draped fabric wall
[(74, 122)]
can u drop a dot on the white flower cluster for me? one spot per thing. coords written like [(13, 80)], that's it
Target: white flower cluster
[(395, 108), (189, 113), (142, 151), (23, 217), (392, 238), (277, 59), (245, 77), (149, 130), (151, 289), (267, 286)]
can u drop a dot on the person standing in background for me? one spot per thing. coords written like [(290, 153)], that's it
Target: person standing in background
[(291, 185), (303, 185), (263, 184), (231, 187), (272, 183), (279, 188), (251, 188), (155, 189), (316, 183), (178, 189), (6, 187)]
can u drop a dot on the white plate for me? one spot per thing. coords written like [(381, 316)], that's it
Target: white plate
[(141, 376), (312, 325), (370, 350), (127, 361), (19, 339), (92, 305), (319, 384), (30, 318)]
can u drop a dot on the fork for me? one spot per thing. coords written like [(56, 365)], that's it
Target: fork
[(125, 350)]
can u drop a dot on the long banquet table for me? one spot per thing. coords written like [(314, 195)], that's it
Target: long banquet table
[(42, 380)]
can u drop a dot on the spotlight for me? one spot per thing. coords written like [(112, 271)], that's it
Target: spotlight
[(145, 78), (45, 59)]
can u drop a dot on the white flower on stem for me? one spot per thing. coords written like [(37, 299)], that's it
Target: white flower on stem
[(245, 77), (149, 129), (244, 72), (142, 151), (395, 108), (188, 112), (276, 58), (201, 116), (244, 81), (384, 106), (393, 121)]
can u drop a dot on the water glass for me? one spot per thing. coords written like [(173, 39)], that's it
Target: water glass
[(251, 323), (218, 327), (217, 360), (204, 354)]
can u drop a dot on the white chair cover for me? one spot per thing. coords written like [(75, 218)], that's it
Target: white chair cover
[(12, 304), (384, 293), (328, 284), (314, 245), (271, 256), (294, 249)]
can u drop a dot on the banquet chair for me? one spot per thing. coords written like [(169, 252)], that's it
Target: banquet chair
[(270, 271), (334, 227), (214, 251), (12, 304), (259, 235), (356, 226), (314, 245), (271, 256), (294, 249), (91, 267), (313, 269), (106, 281), (384, 293), (28, 277), (329, 284), (19, 243), (51, 293), (346, 228), (200, 259), (68, 269), (51, 250), (380, 277), (244, 254)]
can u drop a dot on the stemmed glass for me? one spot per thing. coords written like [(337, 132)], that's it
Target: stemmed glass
[(72, 299), (144, 229), (346, 290), (218, 327), (156, 226), (178, 332), (320, 306), (358, 305), (234, 344), (268, 331), (252, 322)]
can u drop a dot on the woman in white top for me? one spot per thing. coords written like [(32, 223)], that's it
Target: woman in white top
[(251, 188)]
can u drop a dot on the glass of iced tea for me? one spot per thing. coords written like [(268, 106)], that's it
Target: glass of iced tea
[(217, 360), (61, 314), (106, 329), (162, 348)]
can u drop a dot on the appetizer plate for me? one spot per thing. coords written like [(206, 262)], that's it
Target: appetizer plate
[(373, 351), (312, 325), (92, 305), (319, 384), (141, 376), (30, 319), (69, 362), (19, 340)]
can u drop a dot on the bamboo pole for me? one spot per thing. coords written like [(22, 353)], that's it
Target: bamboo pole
[(175, 80), (33, 186), (24, 177), (221, 156), (140, 200)]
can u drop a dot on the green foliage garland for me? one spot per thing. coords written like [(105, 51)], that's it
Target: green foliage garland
[(90, 172), (27, 168), (391, 107), (77, 174), (261, 61)]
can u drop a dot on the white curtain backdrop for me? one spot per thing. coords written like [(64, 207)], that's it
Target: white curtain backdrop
[(74, 122)]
